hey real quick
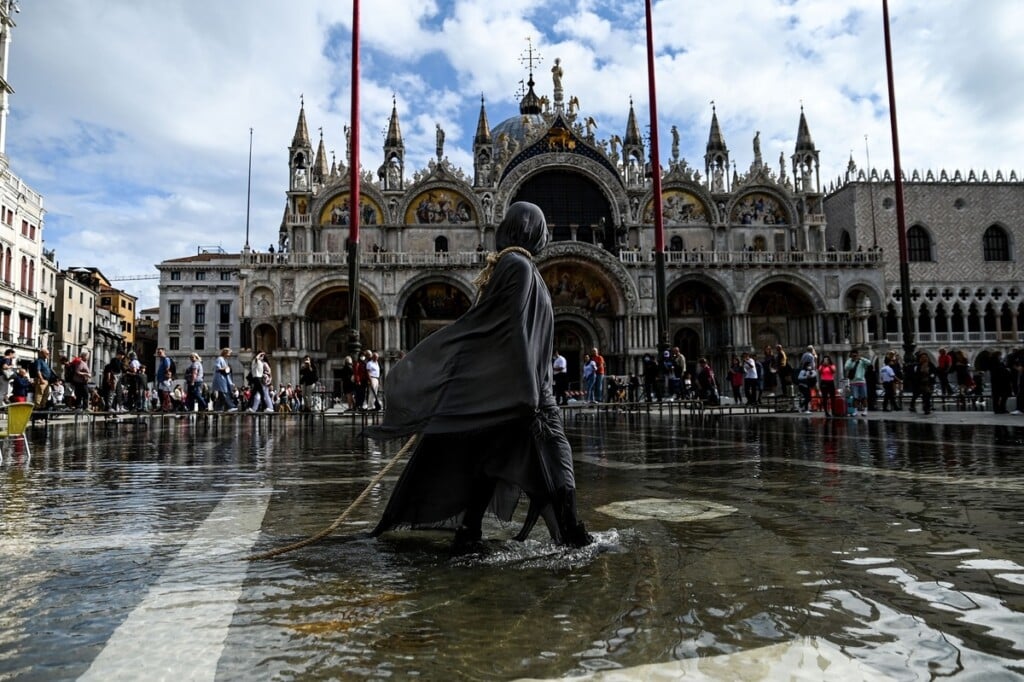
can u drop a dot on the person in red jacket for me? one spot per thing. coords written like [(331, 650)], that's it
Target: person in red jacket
[(945, 365), (361, 379)]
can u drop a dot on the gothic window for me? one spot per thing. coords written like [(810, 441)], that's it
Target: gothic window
[(441, 245), (676, 243), (919, 245), (996, 244), (941, 319)]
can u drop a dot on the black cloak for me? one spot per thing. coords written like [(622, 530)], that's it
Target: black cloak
[(479, 393)]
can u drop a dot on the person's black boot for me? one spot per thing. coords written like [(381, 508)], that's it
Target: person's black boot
[(466, 540), (572, 530)]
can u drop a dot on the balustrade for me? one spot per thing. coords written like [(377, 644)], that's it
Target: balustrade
[(633, 258), (366, 259), (753, 258)]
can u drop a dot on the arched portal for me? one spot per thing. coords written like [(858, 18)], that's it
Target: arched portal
[(264, 338), (430, 307), (860, 318), (569, 198), (699, 319), (330, 310), (689, 343), (573, 339), (780, 312)]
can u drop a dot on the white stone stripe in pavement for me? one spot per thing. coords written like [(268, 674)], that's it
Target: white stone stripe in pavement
[(179, 629)]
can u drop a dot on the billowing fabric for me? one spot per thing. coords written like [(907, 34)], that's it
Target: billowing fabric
[(491, 365), (479, 392)]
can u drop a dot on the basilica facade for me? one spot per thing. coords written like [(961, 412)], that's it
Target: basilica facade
[(749, 259)]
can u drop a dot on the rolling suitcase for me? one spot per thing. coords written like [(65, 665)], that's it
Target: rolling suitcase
[(839, 406)]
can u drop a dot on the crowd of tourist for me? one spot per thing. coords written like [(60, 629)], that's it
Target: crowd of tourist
[(124, 385), (813, 383)]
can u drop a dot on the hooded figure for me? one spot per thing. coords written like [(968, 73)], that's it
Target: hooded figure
[(480, 394)]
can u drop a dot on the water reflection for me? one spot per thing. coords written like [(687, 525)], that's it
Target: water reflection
[(879, 547)]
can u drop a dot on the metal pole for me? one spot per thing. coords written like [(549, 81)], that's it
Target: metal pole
[(248, 193), (659, 224), (354, 199), (901, 223)]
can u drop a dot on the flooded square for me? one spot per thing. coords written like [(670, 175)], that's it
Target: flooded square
[(747, 547)]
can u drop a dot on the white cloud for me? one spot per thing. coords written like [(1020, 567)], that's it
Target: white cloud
[(133, 118)]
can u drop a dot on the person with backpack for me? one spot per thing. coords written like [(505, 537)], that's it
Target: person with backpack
[(807, 380), (111, 376), (856, 369), (708, 383), (44, 377), (308, 378)]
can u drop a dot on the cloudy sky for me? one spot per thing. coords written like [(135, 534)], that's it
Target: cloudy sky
[(132, 117)]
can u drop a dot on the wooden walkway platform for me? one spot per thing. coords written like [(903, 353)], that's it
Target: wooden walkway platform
[(690, 409)]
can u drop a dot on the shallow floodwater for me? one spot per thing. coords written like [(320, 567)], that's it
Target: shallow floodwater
[(743, 548)]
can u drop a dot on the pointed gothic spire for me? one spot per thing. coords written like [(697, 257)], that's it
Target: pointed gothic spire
[(483, 128), (804, 143), (320, 170), (632, 129), (394, 137), (301, 138), (716, 143)]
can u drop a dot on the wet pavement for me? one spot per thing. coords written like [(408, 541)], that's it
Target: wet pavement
[(739, 547)]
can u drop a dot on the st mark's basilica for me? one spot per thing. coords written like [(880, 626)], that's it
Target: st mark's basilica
[(751, 258)]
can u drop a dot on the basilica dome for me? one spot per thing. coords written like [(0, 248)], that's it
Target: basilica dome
[(515, 127)]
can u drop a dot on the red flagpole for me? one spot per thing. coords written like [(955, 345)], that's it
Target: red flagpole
[(354, 199), (901, 221), (659, 224)]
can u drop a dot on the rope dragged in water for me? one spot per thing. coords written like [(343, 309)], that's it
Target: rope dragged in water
[(344, 515)]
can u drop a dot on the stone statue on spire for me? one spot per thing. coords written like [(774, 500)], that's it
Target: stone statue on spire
[(440, 142), (758, 161), (556, 77)]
